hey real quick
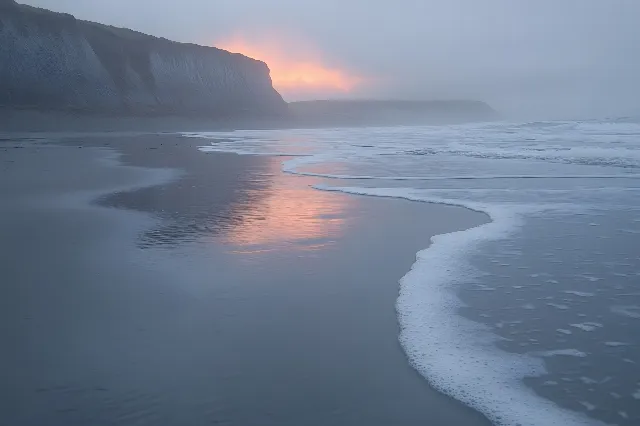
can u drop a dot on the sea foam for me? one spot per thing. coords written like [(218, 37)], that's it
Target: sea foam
[(456, 356)]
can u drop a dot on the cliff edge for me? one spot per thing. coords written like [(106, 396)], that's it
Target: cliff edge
[(52, 61)]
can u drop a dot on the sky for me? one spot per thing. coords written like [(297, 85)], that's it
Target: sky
[(526, 58)]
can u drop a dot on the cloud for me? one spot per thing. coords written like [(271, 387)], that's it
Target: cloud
[(543, 58), (298, 69)]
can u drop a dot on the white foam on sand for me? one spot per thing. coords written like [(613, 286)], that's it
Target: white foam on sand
[(589, 406), (616, 344), (563, 352), (588, 380), (587, 326), (558, 306), (446, 178), (580, 293), (458, 356), (455, 355)]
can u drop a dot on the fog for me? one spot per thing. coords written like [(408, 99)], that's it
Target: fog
[(535, 59)]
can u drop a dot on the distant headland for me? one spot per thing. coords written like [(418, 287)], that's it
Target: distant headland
[(53, 63)]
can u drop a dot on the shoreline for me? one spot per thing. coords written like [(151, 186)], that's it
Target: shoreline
[(429, 295), (30, 121), (158, 243)]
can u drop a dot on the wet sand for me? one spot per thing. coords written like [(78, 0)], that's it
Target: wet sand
[(221, 291)]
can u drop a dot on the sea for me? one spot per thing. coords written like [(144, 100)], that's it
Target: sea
[(534, 317)]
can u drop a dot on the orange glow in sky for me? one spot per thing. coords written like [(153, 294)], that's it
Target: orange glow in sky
[(296, 71)]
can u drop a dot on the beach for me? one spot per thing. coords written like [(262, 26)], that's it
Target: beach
[(529, 318), (270, 214), (148, 283)]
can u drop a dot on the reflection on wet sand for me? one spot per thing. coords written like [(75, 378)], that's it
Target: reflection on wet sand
[(241, 201), (288, 212), (101, 333)]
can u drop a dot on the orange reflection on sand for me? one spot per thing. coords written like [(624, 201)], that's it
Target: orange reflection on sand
[(295, 71), (289, 212)]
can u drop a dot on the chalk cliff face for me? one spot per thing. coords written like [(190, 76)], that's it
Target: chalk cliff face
[(53, 61)]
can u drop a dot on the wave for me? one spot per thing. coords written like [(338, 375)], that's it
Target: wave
[(292, 170), (457, 356)]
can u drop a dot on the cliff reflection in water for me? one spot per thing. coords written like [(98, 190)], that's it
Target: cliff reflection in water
[(241, 201)]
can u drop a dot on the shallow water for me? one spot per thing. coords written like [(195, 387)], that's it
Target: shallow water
[(530, 319)]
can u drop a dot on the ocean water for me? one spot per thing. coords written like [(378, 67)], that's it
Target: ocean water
[(533, 318)]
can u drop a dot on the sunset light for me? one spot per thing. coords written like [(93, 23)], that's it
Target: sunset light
[(288, 214), (297, 72)]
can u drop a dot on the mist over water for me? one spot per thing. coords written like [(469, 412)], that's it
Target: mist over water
[(530, 318), (532, 60)]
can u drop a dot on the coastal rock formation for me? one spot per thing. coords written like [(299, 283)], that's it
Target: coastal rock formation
[(52, 61)]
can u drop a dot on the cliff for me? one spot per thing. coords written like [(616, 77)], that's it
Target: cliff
[(52, 61)]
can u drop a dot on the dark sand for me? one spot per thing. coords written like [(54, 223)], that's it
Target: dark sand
[(234, 295)]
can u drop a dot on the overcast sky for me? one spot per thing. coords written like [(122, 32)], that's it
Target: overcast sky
[(541, 58)]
